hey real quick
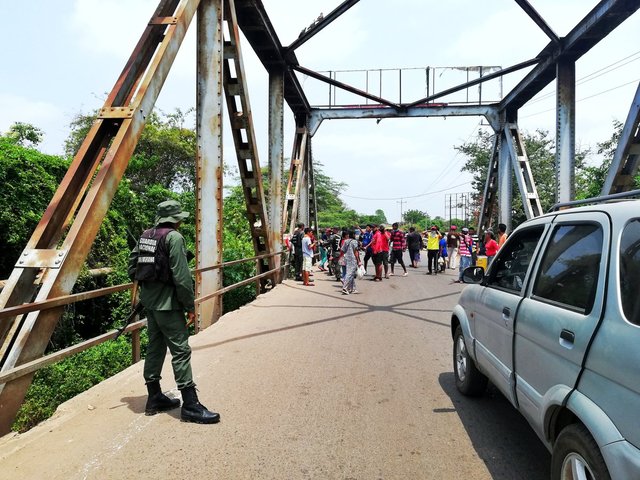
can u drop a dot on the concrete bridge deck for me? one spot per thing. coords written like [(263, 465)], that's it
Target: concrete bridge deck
[(310, 384)]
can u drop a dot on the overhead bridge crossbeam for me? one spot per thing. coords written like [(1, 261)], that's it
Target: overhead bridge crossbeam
[(318, 115)]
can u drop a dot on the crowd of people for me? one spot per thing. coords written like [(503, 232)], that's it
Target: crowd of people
[(346, 252)]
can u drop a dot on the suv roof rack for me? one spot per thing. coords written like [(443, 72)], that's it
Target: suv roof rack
[(602, 199)]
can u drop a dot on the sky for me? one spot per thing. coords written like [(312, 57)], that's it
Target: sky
[(61, 58)]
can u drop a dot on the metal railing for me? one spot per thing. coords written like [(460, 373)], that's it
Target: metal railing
[(133, 328)]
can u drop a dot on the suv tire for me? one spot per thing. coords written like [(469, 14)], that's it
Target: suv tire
[(575, 451), (469, 380)]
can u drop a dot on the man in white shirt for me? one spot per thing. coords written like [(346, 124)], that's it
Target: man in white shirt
[(307, 256)]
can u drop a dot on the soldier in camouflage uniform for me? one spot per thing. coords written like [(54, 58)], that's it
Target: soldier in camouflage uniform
[(159, 264)]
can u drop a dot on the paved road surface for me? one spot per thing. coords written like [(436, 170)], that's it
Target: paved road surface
[(310, 385)]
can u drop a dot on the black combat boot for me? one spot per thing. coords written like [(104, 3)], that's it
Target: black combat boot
[(193, 410), (158, 401)]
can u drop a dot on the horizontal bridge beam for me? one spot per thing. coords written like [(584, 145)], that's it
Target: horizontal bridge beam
[(490, 112)]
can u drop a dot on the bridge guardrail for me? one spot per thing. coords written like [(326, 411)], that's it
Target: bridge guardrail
[(133, 328)]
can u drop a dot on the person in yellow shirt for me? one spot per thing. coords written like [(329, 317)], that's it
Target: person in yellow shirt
[(433, 247)]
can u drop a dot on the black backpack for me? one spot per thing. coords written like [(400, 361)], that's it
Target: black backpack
[(296, 240)]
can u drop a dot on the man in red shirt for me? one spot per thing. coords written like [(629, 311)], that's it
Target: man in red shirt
[(490, 246), (380, 250), (399, 246)]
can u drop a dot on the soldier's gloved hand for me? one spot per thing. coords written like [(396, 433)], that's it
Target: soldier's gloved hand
[(191, 318)]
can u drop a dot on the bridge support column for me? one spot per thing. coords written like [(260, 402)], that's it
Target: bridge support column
[(505, 188), (565, 131), (303, 207), (311, 184), (209, 161), (276, 162)]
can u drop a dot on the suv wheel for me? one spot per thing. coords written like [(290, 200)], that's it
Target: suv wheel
[(469, 380), (576, 456)]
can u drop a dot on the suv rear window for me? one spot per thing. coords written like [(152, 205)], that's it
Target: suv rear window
[(568, 274), (630, 271)]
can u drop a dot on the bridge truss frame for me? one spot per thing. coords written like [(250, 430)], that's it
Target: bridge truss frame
[(53, 257)]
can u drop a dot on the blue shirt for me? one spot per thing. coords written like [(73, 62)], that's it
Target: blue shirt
[(443, 246), (366, 239)]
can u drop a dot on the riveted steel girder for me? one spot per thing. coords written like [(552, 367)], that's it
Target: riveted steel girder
[(565, 131), (295, 183), (596, 25), (491, 187), (209, 160), (522, 170), (276, 162), (626, 160), (239, 108), (257, 28), (317, 115), (83, 197)]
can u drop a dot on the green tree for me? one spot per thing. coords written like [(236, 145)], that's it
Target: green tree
[(29, 179), (414, 217), (165, 154), (540, 150), (589, 184), (376, 219), (332, 211), (25, 134)]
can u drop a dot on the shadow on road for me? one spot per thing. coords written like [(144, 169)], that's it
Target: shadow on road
[(501, 436)]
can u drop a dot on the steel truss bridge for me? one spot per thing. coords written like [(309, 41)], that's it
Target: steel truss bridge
[(47, 270)]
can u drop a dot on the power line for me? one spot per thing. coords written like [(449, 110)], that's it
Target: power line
[(442, 173), (406, 196), (453, 161), (589, 77), (586, 98)]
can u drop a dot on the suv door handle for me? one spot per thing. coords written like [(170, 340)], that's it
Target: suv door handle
[(567, 337)]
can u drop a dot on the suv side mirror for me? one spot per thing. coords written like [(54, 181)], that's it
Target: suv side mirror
[(473, 275)]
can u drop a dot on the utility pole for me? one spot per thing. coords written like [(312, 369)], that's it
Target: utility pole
[(401, 202)]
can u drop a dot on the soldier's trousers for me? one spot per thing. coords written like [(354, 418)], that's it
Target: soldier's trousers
[(167, 329)]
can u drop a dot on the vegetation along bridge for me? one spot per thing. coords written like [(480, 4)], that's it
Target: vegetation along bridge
[(309, 382)]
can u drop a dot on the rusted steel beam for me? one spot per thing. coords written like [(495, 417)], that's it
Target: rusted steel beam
[(491, 187), (242, 130), (292, 194), (565, 131), (254, 22), (140, 83), (35, 365), (344, 86), (276, 163), (626, 159), (537, 18), (477, 81), (596, 25), (318, 115), (311, 185), (321, 23), (62, 301), (209, 161)]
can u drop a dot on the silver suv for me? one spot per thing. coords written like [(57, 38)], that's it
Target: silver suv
[(555, 326)]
